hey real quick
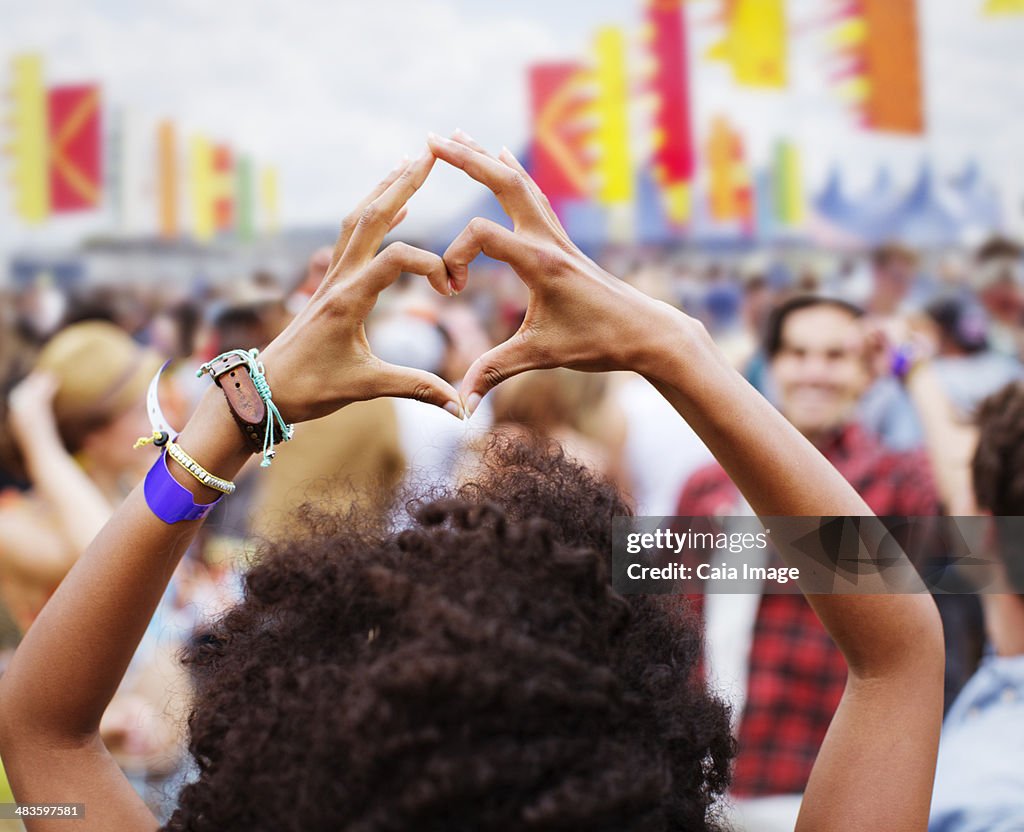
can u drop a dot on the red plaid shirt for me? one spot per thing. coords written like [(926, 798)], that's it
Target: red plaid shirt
[(796, 673)]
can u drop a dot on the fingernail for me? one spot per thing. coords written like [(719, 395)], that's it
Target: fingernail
[(452, 291), (433, 137), (460, 132), (472, 403), (454, 408)]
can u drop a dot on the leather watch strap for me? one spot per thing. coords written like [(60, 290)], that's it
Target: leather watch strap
[(231, 374)]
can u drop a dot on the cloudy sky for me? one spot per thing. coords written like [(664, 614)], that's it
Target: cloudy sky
[(335, 91)]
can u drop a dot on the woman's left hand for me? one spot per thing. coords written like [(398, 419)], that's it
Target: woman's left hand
[(322, 361)]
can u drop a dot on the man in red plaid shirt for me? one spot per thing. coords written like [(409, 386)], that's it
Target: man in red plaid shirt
[(786, 673)]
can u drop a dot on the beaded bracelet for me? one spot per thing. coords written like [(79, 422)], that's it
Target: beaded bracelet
[(178, 454)]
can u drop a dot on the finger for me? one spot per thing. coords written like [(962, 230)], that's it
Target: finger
[(376, 218), (462, 137), (407, 383), (508, 185), (401, 215), (402, 257), (349, 223), (485, 236), (509, 159), (506, 157), (503, 362)]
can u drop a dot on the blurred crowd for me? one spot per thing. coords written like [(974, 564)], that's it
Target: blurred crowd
[(881, 359)]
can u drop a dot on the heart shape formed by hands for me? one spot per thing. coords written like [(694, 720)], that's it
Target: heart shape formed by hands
[(578, 316)]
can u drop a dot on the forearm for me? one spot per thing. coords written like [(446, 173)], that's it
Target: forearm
[(75, 654), (781, 473), (78, 505)]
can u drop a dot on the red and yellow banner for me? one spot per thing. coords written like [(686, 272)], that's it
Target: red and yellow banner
[(674, 157), (223, 187), (76, 147), (730, 187), (558, 159)]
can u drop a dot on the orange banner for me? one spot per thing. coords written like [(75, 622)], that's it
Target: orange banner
[(893, 59), (879, 64), (167, 177)]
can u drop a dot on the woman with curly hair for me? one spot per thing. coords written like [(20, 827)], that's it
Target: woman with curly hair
[(471, 668)]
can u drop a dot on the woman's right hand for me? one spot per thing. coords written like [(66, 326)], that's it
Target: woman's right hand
[(579, 316)]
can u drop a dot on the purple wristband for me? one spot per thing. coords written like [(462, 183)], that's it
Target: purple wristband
[(902, 361), (168, 499)]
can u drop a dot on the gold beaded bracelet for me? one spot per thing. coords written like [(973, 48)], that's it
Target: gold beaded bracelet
[(175, 452)]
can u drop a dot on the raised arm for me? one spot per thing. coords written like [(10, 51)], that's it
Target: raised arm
[(77, 506), (75, 654), (876, 766)]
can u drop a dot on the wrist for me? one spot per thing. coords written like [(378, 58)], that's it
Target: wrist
[(670, 342), (212, 438)]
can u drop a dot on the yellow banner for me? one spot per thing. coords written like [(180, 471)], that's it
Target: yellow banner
[(611, 108), (202, 187), (1004, 7), (30, 144), (268, 198), (754, 45)]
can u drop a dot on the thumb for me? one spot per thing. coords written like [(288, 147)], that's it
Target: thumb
[(508, 359), (407, 383)]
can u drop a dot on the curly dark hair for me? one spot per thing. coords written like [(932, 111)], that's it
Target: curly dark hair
[(998, 466), (473, 670)]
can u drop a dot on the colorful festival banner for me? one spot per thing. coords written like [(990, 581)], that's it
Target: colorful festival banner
[(131, 160), (28, 147), (167, 180), (245, 198), (67, 155), (790, 204), (730, 187), (879, 69), (201, 188), (223, 187), (674, 158), (721, 185), (613, 164), (995, 8), (558, 159), (268, 199), (754, 45), (75, 148)]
